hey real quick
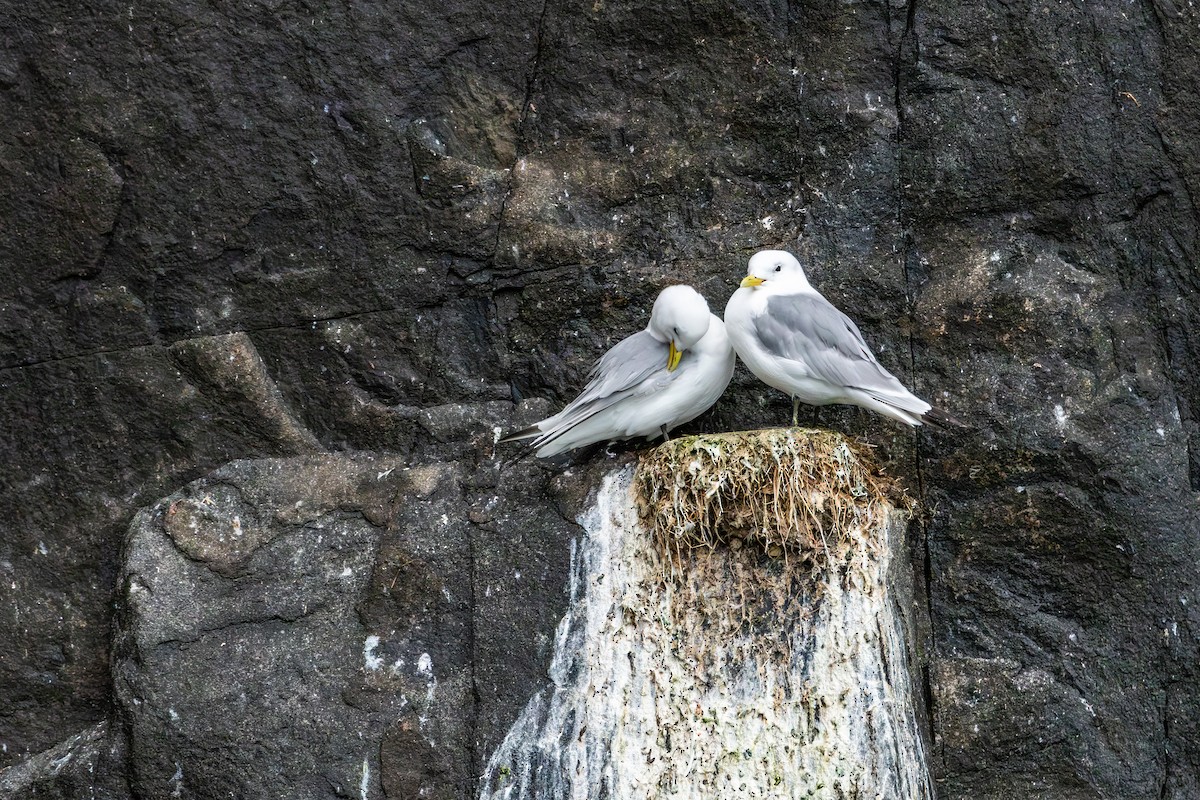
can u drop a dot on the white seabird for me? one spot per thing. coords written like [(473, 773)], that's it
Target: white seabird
[(795, 340), (648, 383)]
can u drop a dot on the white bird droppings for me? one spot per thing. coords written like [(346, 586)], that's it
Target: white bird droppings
[(425, 670), (370, 660), (655, 692)]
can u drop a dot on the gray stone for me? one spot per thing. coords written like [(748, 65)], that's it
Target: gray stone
[(308, 628), (91, 764)]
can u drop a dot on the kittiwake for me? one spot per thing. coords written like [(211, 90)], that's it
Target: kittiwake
[(648, 383), (795, 340)]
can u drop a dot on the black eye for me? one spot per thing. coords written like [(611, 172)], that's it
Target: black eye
[(778, 267)]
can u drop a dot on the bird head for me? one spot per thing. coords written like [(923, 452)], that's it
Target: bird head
[(680, 318), (774, 267)]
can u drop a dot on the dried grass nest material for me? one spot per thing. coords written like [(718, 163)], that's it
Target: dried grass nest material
[(811, 493)]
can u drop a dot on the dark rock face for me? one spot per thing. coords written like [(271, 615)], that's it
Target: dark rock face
[(1052, 226), (278, 230)]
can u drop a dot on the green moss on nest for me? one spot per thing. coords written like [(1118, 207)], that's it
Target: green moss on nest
[(794, 492)]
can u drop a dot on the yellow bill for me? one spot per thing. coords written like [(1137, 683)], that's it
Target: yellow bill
[(749, 282), (673, 358)]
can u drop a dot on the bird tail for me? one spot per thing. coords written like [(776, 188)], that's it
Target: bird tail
[(940, 419)]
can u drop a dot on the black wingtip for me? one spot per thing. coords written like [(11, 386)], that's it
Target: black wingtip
[(521, 454), (524, 451), (532, 430), (940, 419)]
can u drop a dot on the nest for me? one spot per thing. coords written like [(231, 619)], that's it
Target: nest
[(802, 494)]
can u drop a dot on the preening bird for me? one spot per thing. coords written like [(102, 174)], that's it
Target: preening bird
[(648, 383), (795, 340)]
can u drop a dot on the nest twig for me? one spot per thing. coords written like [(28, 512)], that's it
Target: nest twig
[(806, 495)]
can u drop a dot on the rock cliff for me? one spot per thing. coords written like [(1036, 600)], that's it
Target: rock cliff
[(316, 231)]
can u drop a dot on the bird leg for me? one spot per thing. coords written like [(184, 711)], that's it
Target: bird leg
[(795, 411), (816, 420), (666, 436)]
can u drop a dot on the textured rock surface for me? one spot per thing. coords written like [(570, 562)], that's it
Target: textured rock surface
[(1053, 237), (91, 764), (310, 627), (274, 229)]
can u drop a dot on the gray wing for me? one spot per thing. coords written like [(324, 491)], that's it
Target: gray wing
[(621, 372), (808, 329), (628, 363)]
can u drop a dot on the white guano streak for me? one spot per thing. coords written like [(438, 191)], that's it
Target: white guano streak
[(652, 698)]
